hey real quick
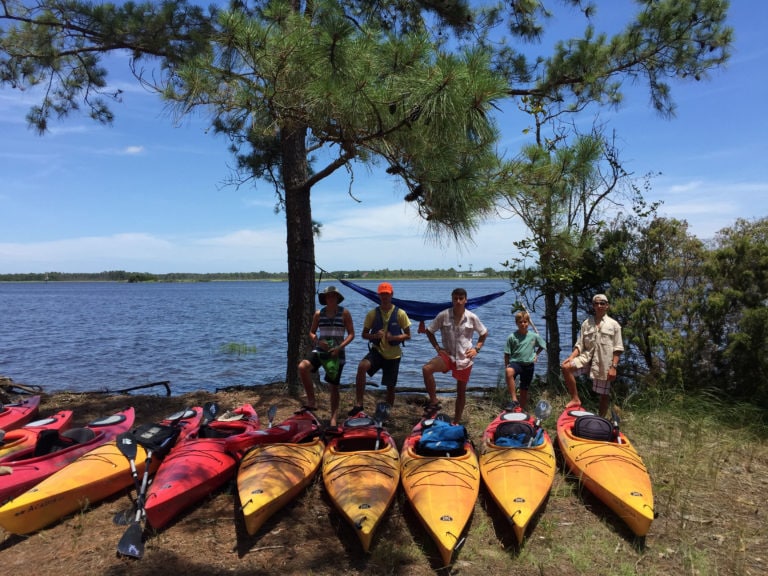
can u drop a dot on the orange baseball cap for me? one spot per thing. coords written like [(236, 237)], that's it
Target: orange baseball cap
[(385, 287)]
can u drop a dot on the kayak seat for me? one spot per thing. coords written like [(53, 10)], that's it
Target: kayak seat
[(50, 441), (593, 427), (360, 422), (79, 435), (513, 434), (357, 444), (427, 451), (219, 431)]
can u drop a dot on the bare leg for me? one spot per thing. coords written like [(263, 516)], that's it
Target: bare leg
[(305, 373), (334, 403), (510, 376), (523, 398), (604, 402), (362, 368), (428, 371), (391, 396), (461, 399), (570, 384)]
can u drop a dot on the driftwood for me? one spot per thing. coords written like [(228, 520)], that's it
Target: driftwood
[(9, 388)]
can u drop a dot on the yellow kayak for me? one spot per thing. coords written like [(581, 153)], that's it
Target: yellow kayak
[(518, 478), (612, 470), (361, 473), (95, 476), (271, 475), (441, 488)]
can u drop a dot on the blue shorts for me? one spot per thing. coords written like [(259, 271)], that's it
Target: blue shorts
[(525, 371)]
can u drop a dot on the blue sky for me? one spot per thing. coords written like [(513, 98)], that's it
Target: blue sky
[(148, 194)]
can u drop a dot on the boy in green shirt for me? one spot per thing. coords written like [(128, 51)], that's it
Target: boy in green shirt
[(520, 354)]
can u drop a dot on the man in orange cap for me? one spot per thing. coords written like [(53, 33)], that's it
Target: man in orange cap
[(385, 327)]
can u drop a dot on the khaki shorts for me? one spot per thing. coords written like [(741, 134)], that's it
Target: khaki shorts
[(602, 387)]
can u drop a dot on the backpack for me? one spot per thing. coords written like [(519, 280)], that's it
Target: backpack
[(592, 427), (442, 438), (159, 438), (514, 434)]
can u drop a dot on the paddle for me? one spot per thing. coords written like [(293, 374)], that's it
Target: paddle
[(271, 415), (132, 542), (381, 414), (615, 421), (127, 446)]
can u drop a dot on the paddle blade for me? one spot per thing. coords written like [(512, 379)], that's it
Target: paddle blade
[(127, 445), (382, 412), (543, 410), (210, 411), (131, 543), (271, 415)]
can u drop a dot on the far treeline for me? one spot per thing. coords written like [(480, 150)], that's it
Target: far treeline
[(123, 276)]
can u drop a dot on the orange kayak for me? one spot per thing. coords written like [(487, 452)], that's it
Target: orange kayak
[(441, 488), (518, 477), (271, 475), (96, 475), (611, 469), (361, 473)]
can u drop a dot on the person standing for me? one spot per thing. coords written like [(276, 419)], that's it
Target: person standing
[(520, 354), (456, 353), (386, 328), (331, 331), (596, 353)]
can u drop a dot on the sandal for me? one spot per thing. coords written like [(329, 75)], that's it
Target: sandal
[(430, 409)]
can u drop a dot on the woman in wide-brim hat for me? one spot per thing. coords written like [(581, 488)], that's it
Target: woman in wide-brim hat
[(330, 332), (330, 290)]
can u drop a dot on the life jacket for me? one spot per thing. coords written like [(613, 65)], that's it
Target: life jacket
[(392, 326), (331, 328)]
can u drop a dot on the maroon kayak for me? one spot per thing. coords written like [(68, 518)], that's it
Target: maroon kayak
[(198, 465)]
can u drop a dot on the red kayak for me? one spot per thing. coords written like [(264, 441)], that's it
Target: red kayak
[(55, 450), (20, 442), (198, 465), (296, 428), (19, 413)]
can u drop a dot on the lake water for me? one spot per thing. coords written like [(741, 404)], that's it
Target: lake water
[(107, 336)]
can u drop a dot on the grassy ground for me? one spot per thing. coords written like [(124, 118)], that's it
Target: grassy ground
[(709, 469)]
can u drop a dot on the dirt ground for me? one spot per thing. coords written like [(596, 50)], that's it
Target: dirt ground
[(309, 537)]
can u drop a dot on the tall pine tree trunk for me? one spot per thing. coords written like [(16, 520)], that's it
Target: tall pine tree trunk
[(553, 335), (301, 250)]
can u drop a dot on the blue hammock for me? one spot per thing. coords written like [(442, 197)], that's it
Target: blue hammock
[(422, 311)]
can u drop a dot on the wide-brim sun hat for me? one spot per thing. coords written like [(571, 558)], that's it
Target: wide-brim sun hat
[(330, 290)]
